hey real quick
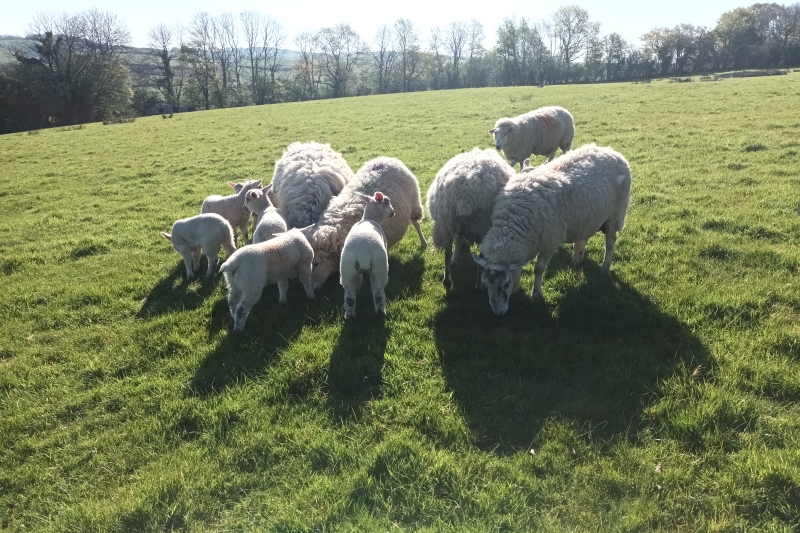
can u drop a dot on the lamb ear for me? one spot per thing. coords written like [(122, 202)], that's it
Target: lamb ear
[(308, 230), (363, 196), (493, 130), (480, 260), (378, 197), (526, 163), (232, 185), (166, 236)]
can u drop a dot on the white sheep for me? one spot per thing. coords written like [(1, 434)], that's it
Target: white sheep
[(270, 220), (206, 233), (567, 200), (364, 251), (538, 132), (385, 174), (251, 268), (306, 177), (460, 201), (231, 207)]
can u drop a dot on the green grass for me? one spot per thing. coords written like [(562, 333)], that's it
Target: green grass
[(126, 404)]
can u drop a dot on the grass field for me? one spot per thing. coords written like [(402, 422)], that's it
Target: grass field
[(665, 396)]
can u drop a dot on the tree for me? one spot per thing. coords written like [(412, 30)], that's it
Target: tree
[(455, 40), (658, 42), (169, 71), (340, 51), (69, 74), (571, 31), (200, 53), (307, 71), (384, 57), (408, 51), (737, 35)]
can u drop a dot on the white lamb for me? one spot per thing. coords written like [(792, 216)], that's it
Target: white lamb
[(365, 252), (270, 220), (232, 206), (306, 177), (538, 132), (567, 200), (385, 174), (206, 233), (251, 268), (460, 201)]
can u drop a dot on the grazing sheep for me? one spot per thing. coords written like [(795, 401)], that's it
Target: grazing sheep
[(277, 260), (270, 220), (385, 174), (364, 251), (538, 132), (232, 206), (206, 232), (567, 200), (306, 177), (460, 201)]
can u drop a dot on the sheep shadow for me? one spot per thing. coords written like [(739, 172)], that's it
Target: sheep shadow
[(355, 371), (270, 328), (175, 293), (593, 355)]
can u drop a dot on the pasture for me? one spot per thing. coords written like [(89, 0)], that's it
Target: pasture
[(664, 397)]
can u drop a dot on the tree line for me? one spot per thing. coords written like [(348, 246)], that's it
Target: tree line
[(81, 68)]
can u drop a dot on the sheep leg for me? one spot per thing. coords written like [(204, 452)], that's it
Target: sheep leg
[(551, 155), (378, 284), (578, 252), (283, 288), (187, 261), (351, 286), (448, 261), (538, 270), (196, 260), (478, 281), (422, 242), (243, 228), (611, 241)]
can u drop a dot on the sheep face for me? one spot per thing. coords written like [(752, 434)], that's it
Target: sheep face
[(500, 136), (500, 281), (325, 264)]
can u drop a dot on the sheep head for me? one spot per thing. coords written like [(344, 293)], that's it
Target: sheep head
[(500, 281)]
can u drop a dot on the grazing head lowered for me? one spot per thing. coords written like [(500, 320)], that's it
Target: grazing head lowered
[(500, 281)]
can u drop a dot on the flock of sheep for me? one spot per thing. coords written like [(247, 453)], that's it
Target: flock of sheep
[(317, 217)]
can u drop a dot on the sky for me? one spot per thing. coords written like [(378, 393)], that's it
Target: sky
[(629, 18)]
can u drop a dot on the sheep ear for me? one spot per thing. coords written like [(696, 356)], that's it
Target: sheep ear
[(379, 197), (267, 189), (491, 131), (480, 260), (232, 185), (509, 128), (166, 236), (258, 183), (364, 197), (526, 163), (308, 230)]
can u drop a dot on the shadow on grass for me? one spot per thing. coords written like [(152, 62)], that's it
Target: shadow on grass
[(592, 356), (356, 361), (174, 293)]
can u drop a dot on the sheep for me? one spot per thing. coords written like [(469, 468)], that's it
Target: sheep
[(538, 132), (306, 177), (460, 201), (364, 251), (270, 220), (567, 200), (385, 174), (251, 268), (206, 232), (232, 207)]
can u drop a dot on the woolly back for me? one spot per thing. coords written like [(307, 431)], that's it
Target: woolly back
[(305, 179), (461, 197)]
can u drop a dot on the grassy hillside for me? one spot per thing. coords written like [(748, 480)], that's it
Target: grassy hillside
[(662, 397)]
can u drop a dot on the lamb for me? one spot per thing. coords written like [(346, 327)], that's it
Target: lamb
[(385, 174), (232, 207), (460, 201), (364, 251), (206, 232), (306, 177), (567, 200), (538, 132), (270, 219), (249, 269)]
